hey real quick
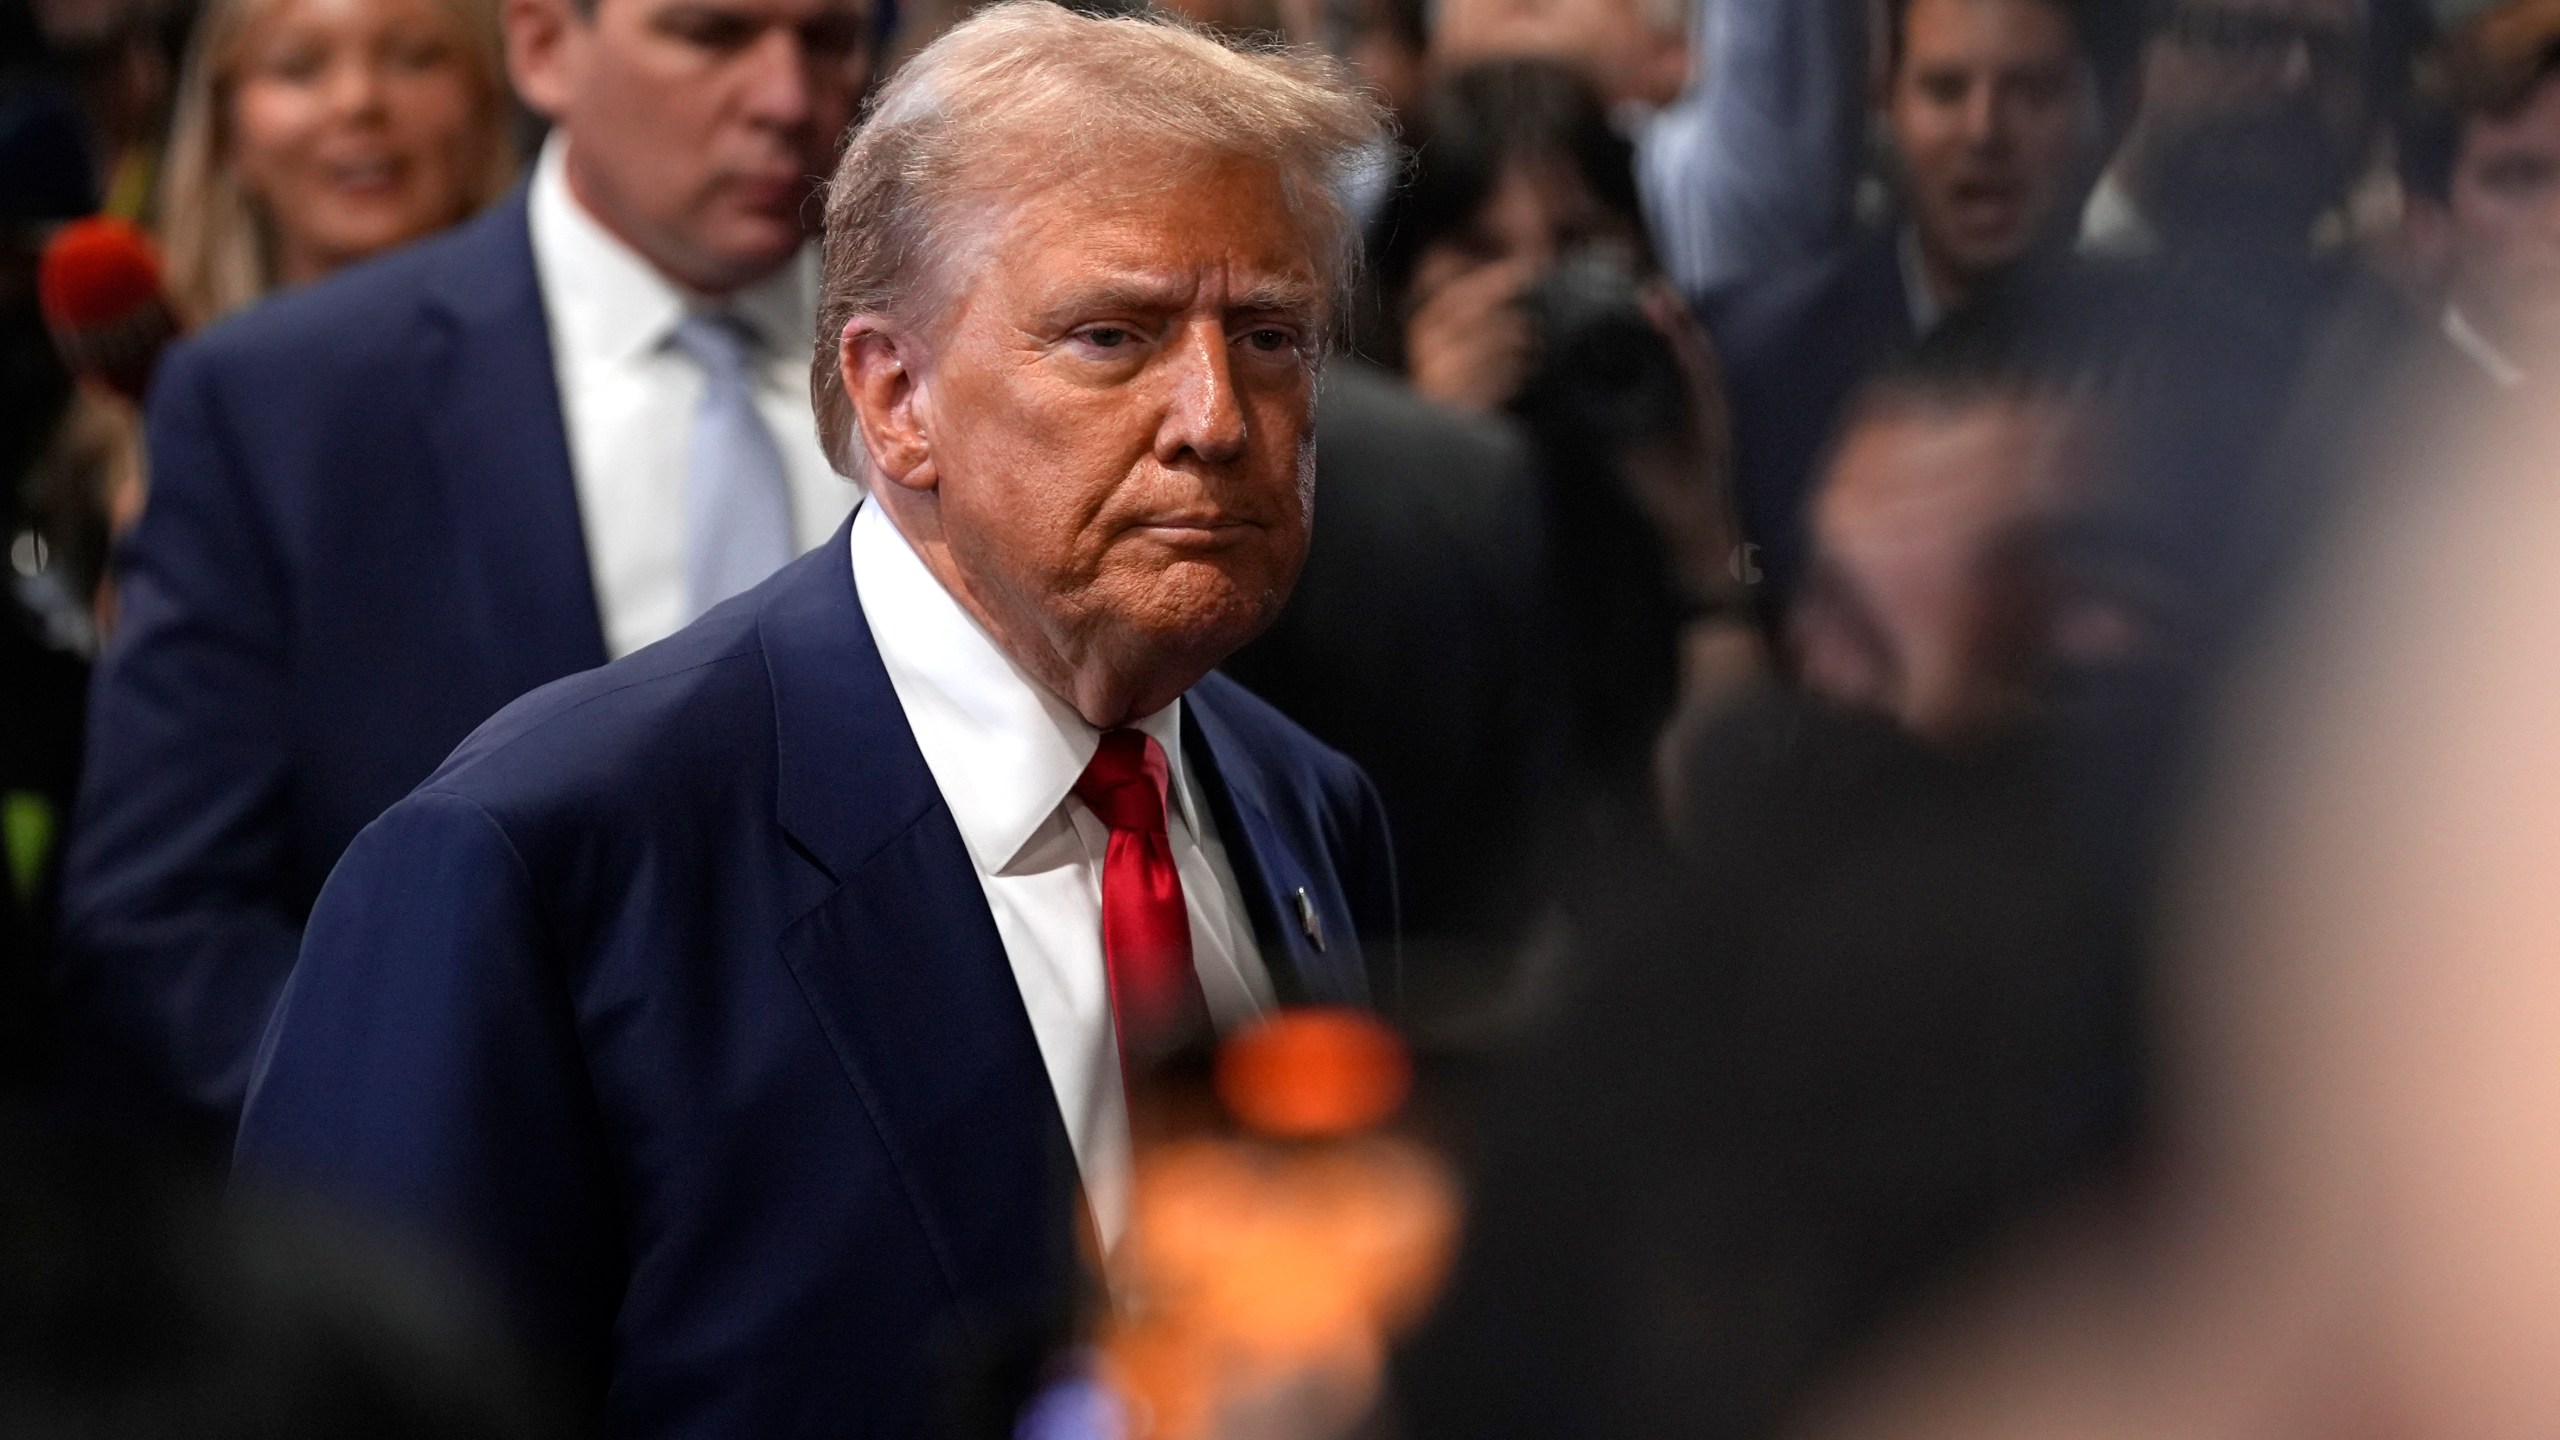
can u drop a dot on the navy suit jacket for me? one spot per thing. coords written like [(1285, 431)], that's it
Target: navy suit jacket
[(362, 539), (673, 1000), (1795, 348)]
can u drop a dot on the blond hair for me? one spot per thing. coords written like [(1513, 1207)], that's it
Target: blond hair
[(219, 246), (1027, 88)]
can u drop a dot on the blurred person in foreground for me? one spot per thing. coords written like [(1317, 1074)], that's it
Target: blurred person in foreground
[(1995, 112), (389, 502), (1937, 592), (136, 1304), (2346, 1229), (751, 1008), (1856, 1016), (2481, 164), (310, 134), (1514, 276)]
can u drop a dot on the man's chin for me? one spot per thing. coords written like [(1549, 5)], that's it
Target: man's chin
[(749, 245), (1199, 614)]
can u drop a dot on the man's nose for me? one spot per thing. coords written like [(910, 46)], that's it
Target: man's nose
[(1981, 116), (778, 86), (1206, 416)]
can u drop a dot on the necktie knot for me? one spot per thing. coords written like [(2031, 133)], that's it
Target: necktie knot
[(718, 342), (1126, 782)]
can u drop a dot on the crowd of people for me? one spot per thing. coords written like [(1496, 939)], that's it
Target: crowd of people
[(1779, 584)]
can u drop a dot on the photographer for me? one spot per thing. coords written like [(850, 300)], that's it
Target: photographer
[(1514, 276)]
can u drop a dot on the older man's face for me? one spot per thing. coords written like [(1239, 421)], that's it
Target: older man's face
[(1118, 410)]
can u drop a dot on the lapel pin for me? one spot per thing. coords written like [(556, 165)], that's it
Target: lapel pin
[(1307, 920)]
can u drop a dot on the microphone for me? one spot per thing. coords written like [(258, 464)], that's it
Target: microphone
[(99, 287)]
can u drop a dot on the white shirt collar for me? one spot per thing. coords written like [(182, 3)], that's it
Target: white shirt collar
[(1004, 751), (608, 303), (2113, 226), (2484, 352)]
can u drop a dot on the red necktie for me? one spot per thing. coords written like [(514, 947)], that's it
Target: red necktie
[(1146, 930)]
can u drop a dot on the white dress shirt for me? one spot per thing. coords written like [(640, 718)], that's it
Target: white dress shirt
[(1006, 753), (2112, 225), (627, 398), (2502, 370)]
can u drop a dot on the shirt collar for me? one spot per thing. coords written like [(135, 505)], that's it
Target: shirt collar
[(607, 302), (2483, 351), (1004, 751), (2113, 226)]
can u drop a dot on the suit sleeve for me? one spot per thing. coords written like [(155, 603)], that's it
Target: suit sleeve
[(423, 1071), (178, 924)]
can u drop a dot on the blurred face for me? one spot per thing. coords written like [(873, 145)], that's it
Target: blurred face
[(1928, 601), (1990, 109), (1617, 47), (2505, 222), (698, 130), (356, 125), (1103, 446), (2252, 111), (1539, 210)]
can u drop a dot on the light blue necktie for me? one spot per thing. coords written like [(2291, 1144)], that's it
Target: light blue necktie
[(737, 501)]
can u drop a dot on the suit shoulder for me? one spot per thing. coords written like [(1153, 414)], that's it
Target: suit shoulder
[(355, 317), (660, 725)]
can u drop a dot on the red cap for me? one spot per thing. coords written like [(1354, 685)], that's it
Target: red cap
[(95, 272)]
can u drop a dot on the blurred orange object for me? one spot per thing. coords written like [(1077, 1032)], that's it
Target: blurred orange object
[(1262, 1278), (1314, 1072)]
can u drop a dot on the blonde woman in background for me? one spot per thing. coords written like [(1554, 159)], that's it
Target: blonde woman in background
[(310, 134)]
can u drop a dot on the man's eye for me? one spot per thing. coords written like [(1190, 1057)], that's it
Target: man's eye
[(1270, 340), (1105, 337), (711, 29), (835, 36)]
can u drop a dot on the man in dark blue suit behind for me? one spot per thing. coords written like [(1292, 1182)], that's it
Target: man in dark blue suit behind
[(753, 1009), (1994, 111), (384, 506)]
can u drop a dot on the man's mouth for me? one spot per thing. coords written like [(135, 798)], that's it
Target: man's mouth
[(1988, 205)]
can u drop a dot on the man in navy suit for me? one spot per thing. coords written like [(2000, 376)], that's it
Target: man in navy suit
[(1993, 110), (387, 505), (752, 1010)]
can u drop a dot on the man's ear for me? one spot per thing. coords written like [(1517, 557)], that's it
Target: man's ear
[(546, 52), (882, 374)]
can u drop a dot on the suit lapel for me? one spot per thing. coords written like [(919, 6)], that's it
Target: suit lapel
[(902, 965), (1285, 885), (492, 417)]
